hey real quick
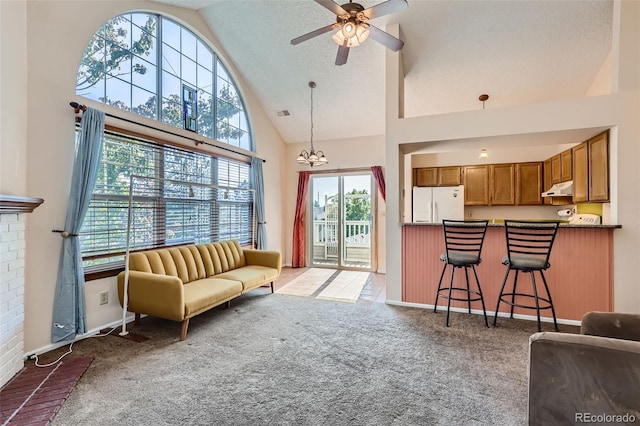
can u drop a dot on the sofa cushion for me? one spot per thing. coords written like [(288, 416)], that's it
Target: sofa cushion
[(251, 276), (202, 294), (221, 256)]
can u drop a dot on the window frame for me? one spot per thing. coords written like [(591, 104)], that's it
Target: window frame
[(159, 148), (217, 69)]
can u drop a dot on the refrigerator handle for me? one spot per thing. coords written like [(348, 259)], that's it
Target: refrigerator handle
[(434, 216)]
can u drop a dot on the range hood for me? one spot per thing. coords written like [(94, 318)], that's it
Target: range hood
[(563, 189)]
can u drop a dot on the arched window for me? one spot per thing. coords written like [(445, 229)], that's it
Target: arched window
[(154, 67)]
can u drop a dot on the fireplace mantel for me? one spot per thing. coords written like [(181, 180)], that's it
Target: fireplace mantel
[(12, 204)]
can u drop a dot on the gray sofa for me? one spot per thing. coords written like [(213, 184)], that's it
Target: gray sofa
[(589, 377)]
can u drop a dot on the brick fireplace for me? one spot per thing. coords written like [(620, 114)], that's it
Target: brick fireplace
[(13, 212)]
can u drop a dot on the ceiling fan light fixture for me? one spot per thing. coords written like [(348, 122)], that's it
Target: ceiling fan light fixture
[(349, 29), (359, 35)]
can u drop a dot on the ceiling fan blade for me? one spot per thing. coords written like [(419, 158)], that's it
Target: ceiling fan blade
[(332, 6), (389, 6), (343, 54), (312, 34), (385, 38)]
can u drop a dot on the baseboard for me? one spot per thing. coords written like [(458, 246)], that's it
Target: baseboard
[(489, 313), (90, 333)]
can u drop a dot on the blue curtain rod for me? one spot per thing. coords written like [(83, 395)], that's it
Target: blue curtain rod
[(79, 107)]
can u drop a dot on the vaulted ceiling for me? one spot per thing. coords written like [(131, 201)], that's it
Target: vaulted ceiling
[(517, 51)]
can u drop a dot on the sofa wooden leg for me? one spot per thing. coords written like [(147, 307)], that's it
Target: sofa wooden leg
[(185, 326), (271, 286), (136, 321), (228, 304)]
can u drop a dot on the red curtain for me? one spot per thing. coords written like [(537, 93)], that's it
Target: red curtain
[(298, 260), (379, 177)]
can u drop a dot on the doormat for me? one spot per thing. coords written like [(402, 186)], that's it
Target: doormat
[(35, 394), (307, 283), (346, 287)]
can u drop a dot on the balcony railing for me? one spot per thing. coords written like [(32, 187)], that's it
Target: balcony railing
[(357, 241)]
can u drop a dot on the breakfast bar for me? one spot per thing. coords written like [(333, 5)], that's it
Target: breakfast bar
[(580, 277)]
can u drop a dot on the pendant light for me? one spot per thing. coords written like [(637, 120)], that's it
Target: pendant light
[(312, 158)]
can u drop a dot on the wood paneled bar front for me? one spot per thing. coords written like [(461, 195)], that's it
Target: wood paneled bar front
[(580, 277)]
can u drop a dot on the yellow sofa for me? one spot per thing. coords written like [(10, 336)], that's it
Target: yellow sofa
[(181, 282)]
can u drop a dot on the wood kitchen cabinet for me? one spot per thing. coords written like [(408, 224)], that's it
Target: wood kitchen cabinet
[(476, 185), (566, 165), (437, 176), (598, 154), (501, 185), (591, 170), (449, 176), (529, 180), (546, 179), (580, 173), (556, 169), (425, 176)]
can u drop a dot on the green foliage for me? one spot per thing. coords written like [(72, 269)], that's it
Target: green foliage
[(357, 208), (109, 48), (108, 54)]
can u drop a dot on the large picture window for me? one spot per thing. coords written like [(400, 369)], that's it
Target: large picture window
[(152, 66), (167, 210)]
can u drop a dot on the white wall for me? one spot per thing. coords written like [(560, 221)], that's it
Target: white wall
[(620, 111), (343, 154), (56, 36), (13, 102)]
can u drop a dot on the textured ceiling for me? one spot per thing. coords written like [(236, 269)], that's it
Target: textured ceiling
[(519, 52)]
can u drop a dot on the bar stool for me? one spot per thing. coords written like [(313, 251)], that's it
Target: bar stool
[(528, 249), (463, 244)]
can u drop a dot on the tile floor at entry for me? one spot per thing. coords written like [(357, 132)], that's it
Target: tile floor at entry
[(373, 290)]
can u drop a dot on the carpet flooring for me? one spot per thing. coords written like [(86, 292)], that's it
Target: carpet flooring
[(274, 359)]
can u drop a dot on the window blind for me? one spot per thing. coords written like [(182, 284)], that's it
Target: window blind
[(178, 197)]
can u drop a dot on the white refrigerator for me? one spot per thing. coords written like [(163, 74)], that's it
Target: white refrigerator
[(433, 204)]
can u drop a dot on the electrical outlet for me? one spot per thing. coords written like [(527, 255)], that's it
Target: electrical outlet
[(469, 214), (104, 297)]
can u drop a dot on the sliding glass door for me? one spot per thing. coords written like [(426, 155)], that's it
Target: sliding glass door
[(342, 226)]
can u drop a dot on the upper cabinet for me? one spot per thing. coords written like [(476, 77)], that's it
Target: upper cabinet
[(449, 176), (561, 167), (501, 185), (591, 170), (437, 176), (556, 169), (580, 173), (529, 183), (598, 147), (546, 179), (566, 165), (476, 185), (425, 176)]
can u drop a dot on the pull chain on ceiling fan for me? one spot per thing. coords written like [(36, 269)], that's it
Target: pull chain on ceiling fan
[(353, 26)]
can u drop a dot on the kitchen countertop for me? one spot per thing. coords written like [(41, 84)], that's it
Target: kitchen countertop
[(500, 224)]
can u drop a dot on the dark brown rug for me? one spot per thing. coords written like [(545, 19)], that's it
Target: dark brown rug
[(35, 395)]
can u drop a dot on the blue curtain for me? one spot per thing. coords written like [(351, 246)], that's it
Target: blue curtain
[(69, 317), (257, 183)]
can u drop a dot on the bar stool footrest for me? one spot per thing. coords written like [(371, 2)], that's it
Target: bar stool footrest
[(518, 305), (460, 299)]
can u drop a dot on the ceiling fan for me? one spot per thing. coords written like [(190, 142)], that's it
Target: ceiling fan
[(353, 26)]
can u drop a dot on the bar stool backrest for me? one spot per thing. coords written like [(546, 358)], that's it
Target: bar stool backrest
[(529, 243), (463, 241)]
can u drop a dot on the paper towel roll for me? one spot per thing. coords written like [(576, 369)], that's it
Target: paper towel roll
[(564, 212)]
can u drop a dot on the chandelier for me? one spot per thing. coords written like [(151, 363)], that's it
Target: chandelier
[(312, 158)]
